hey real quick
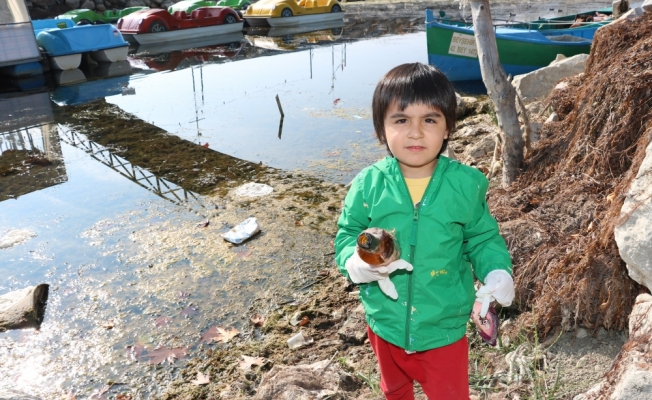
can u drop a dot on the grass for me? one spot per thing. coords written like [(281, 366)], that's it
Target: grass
[(372, 381), (485, 376)]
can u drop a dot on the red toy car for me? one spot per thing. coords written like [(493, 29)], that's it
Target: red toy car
[(156, 25)]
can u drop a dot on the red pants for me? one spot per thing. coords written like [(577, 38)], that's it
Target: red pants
[(442, 372)]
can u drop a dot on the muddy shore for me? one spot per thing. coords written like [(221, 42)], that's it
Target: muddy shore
[(328, 311)]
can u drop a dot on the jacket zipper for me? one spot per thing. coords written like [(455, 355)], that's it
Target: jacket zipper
[(413, 247)]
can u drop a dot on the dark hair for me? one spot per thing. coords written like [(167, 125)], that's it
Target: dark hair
[(415, 83)]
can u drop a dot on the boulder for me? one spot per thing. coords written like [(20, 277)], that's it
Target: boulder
[(24, 308), (88, 4), (44, 3), (466, 105), (73, 4), (630, 377), (100, 7), (536, 85), (634, 236), (647, 6), (136, 3)]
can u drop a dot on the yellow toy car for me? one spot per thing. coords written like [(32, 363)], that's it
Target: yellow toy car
[(284, 13)]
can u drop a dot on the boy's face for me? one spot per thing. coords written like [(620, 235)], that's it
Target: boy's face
[(415, 136)]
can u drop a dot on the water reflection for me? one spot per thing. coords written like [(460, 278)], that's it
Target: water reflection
[(295, 37), (30, 153)]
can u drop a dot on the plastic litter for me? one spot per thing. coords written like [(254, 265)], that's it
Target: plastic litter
[(295, 320), (253, 189), (489, 331), (248, 228), (299, 340)]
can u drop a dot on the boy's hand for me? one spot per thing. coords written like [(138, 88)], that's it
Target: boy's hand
[(498, 286), (361, 272)]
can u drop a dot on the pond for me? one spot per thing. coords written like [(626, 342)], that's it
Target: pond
[(98, 226)]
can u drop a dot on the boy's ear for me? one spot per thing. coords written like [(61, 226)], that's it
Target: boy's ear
[(446, 134)]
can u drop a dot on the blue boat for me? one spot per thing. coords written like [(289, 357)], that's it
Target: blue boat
[(452, 48), (64, 42)]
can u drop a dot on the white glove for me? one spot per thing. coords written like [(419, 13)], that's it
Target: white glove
[(498, 286), (361, 272)]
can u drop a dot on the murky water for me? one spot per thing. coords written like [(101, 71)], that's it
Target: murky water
[(118, 150), (128, 268)]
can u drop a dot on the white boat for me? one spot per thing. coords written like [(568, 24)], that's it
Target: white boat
[(305, 19), (183, 34)]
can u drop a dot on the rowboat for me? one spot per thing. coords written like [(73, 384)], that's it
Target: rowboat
[(452, 48)]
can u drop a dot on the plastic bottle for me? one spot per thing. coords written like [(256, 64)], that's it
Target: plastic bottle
[(377, 247)]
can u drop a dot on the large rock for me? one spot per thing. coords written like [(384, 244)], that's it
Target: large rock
[(88, 4), (73, 4), (536, 85), (44, 3), (634, 236), (23, 308), (137, 3), (647, 6), (630, 377)]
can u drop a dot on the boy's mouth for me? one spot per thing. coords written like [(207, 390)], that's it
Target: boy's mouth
[(415, 148)]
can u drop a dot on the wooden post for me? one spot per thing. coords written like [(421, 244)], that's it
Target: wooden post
[(499, 89), (23, 308)]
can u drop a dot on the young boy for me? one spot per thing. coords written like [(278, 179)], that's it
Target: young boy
[(417, 307)]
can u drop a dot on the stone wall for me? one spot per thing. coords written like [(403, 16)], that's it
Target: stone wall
[(51, 8)]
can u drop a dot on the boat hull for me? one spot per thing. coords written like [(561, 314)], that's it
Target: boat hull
[(286, 22), (62, 63), (111, 55), (283, 22), (22, 70), (183, 34), (452, 49)]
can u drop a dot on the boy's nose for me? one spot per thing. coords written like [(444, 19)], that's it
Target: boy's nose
[(415, 132)]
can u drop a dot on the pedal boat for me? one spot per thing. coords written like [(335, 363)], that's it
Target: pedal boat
[(288, 13), (157, 26)]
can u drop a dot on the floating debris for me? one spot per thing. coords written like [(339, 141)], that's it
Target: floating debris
[(248, 228), (253, 189)]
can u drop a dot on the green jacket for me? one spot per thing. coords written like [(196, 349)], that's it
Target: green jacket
[(450, 230)]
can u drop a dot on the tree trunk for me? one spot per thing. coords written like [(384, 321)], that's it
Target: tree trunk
[(500, 90), (23, 308)]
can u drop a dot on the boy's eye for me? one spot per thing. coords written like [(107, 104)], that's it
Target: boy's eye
[(401, 121), (430, 120)]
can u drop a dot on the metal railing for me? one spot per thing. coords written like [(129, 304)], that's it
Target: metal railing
[(143, 177)]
